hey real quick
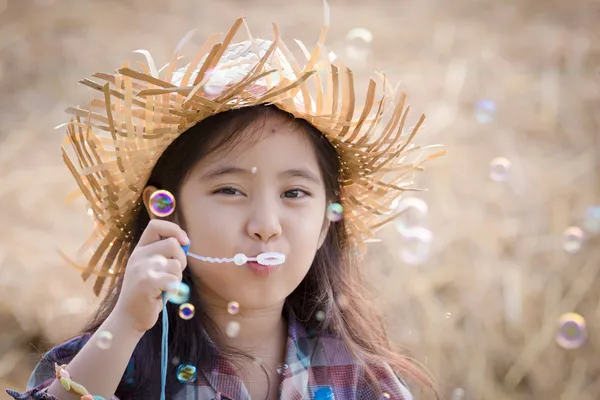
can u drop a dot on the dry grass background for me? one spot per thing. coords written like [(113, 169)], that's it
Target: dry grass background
[(481, 313)]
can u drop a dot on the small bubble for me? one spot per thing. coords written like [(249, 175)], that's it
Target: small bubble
[(233, 307), (342, 301), (162, 203), (499, 168), (413, 213), (186, 373), (358, 46), (484, 111), (571, 332), (257, 361), (214, 89), (573, 238), (458, 394), (104, 340), (448, 315), (281, 368), (253, 170), (386, 395), (415, 246), (320, 315), (175, 361), (335, 212), (187, 311), (178, 292), (592, 219), (232, 329)]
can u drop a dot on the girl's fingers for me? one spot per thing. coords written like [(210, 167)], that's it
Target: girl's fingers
[(168, 248), (158, 229)]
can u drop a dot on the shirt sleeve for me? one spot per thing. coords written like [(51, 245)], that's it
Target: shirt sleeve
[(44, 374)]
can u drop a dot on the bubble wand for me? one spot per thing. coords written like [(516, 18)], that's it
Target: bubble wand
[(162, 204)]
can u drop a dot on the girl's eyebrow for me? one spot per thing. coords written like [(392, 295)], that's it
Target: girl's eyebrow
[(231, 170)]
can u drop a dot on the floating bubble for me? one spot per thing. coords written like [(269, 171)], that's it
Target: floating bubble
[(162, 203), (484, 111), (413, 214), (448, 315), (233, 307), (214, 89), (571, 332), (232, 329), (320, 315), (499, 168), (253, 170), (386, 395), (104, 340), (458, 394), (257, 361), (187, 311), (342, 301), (335, 212), (175, 361), (573, 238), (186, 373), (415, 245), (178, 292), (592, 219), (281, 368), (358, 46)]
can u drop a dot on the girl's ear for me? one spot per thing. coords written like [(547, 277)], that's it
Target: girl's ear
[(148, 190)]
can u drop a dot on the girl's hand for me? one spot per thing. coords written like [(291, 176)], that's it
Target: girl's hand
[(156, 263)]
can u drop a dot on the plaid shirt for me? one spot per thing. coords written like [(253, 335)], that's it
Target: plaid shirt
[(317, 366)]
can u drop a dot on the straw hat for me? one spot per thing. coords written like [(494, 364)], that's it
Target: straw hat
[(113, 143)]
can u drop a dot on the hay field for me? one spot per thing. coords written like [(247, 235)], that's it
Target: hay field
[(473, 287)]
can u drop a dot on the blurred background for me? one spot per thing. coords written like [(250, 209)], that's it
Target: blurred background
[(490, 278)]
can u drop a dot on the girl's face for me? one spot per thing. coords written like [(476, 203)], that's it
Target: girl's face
[(264, 195)]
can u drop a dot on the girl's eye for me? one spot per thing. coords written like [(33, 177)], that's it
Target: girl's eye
[(296, 194), (228, 191)]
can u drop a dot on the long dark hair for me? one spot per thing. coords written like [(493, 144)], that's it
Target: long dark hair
[(333, 284)]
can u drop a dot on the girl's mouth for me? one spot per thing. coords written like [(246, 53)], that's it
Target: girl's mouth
[(261, 270)]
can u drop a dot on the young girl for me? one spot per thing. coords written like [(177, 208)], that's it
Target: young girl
[(261, 155)]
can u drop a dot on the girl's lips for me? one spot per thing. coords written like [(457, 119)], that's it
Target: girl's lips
[(261, 270)]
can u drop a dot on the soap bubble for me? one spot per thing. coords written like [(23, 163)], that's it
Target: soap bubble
[(415, 245), (233, 307), (162, 203), (571, 332), (186, 373), (232, 329), (458, 394), (335, 212), (358, 46), (104, 340), (573, 238), (499, 168), (320, 315), (484, 111), (413, 214), (592, 219), (178, 292), (187, 311)]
